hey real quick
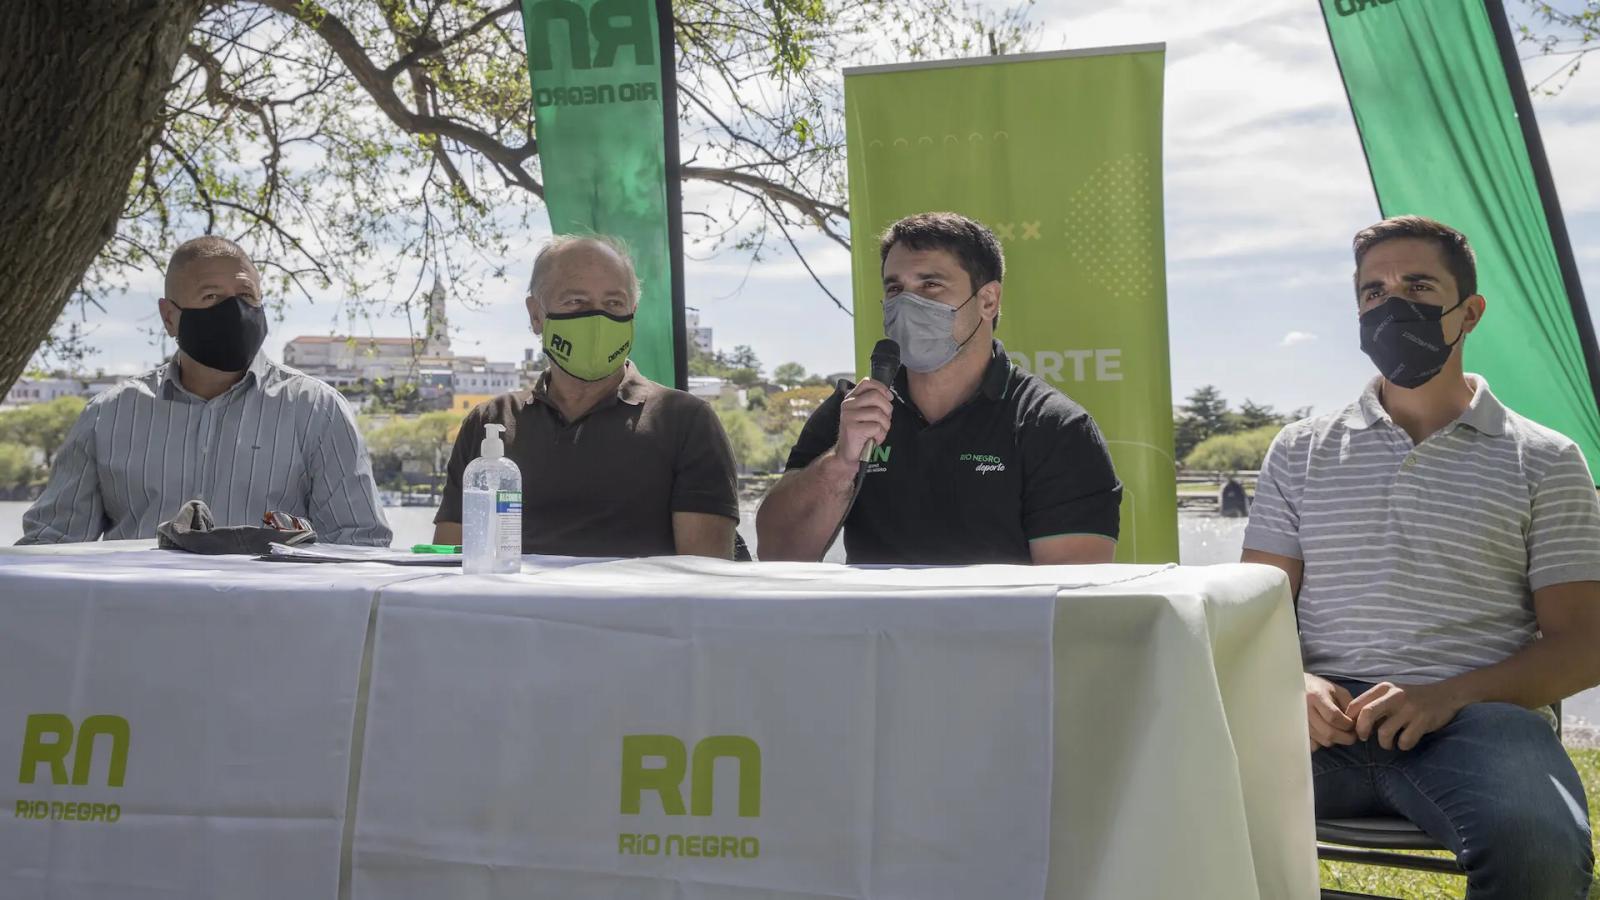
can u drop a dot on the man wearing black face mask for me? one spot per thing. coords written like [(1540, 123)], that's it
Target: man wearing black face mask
[(219, 422), (1445, 555)]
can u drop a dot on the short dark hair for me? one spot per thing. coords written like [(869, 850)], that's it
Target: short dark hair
[(1459, 259), (974, 246), (206, 246)]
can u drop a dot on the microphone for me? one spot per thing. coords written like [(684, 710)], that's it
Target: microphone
[(885, 366)]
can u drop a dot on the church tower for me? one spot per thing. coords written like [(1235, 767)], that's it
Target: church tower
[(438, 334)]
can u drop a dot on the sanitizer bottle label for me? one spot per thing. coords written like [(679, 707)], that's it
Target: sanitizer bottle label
[(508, 522)]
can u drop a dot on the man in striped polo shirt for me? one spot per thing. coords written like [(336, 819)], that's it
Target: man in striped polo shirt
[(1445, 557), (218, 422)]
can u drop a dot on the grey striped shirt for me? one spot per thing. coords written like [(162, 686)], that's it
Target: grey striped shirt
[(1421, 560), (277, 440)]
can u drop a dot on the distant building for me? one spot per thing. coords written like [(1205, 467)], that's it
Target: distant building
[(436, 341), (490, 379), (465, 403), (428, 362), (29, 391), (343, 361), (699, 335), (711, 388)]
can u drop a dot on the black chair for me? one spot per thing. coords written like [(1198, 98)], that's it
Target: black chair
[(1374, 842)]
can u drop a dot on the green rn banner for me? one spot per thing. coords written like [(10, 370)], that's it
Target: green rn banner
[(1060, 155), (597, 103), (1449, 134)]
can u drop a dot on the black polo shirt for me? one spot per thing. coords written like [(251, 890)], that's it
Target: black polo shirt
[(1018, 462)]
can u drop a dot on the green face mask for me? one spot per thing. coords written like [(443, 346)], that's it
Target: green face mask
[(588, 345)]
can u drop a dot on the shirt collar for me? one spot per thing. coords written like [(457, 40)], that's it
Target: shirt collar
[(1485, 414), (256, 373), (996, 377), (631, 390)]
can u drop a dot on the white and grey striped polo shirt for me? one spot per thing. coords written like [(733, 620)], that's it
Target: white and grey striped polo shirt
[(278, 440), (1421, 559)]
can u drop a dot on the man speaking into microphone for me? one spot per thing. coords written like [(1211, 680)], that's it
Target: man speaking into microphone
[(963, 458)]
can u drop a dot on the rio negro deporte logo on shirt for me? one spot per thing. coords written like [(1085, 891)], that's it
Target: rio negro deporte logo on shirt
[(53, 746), (984, 463), (658, 765)]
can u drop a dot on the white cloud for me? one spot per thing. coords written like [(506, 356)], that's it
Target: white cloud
[(1295, 338)]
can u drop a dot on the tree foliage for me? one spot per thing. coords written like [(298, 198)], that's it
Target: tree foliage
[(1239, 451), (343, 142), (425, 441), (16, 466), (42, 426), (1204, 419), (1567, 32), (789, 374)]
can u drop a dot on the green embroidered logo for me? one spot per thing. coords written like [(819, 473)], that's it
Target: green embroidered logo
[(984, 463)]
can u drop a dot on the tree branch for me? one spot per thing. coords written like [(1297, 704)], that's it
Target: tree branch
[(194, 178), (372, 79), (773, 215), (818, 211), (431, 48)]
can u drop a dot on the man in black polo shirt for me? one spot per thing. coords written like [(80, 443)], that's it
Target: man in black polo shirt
[(612, 463), (973, 459)]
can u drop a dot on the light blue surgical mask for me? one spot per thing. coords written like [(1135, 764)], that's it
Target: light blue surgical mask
[(925, 330)]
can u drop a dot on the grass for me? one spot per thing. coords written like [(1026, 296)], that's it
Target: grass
[(1428, 886)]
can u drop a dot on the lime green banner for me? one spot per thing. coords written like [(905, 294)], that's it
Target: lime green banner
[(1449, 134), (1060, 155), (597, 102)]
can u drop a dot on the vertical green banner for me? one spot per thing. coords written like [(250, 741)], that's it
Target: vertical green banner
[(1060, 155), (1437, 93), (598, 106)]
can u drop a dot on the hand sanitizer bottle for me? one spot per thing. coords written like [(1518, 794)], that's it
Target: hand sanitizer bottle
[(491, 509)]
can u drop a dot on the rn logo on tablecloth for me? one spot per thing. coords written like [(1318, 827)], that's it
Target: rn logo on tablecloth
[(664, 778), (48, 742)]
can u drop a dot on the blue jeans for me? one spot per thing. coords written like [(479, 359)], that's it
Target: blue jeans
[(1494, 785)]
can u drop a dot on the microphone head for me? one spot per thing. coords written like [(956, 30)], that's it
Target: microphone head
[(885, 361)]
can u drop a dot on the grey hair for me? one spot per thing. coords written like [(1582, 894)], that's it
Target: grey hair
[(544, 263)]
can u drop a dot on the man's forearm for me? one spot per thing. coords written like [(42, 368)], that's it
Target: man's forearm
[(803, 508), (1547, 670)]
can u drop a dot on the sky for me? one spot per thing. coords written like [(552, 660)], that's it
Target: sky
[(1264, 185)]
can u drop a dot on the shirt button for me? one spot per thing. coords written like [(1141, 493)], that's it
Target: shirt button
[(1410, 461)]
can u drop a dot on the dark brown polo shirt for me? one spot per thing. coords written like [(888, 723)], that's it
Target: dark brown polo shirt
[(608, 483)]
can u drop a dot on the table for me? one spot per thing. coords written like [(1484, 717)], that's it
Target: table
[(773, 730)]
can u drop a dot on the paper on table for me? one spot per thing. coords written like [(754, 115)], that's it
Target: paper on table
[(336, 553)]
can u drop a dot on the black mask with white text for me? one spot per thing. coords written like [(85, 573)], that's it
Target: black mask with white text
[(1405, 340)]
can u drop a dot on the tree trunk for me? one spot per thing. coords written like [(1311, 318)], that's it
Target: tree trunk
[(81, 88)]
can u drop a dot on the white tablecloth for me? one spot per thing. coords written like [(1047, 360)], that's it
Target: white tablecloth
[(1174, 764)]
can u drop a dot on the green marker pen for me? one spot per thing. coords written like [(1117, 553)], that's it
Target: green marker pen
[(436, 548)]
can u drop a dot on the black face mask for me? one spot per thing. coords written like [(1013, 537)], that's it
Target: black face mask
[(225, 337), (1405, 340)]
